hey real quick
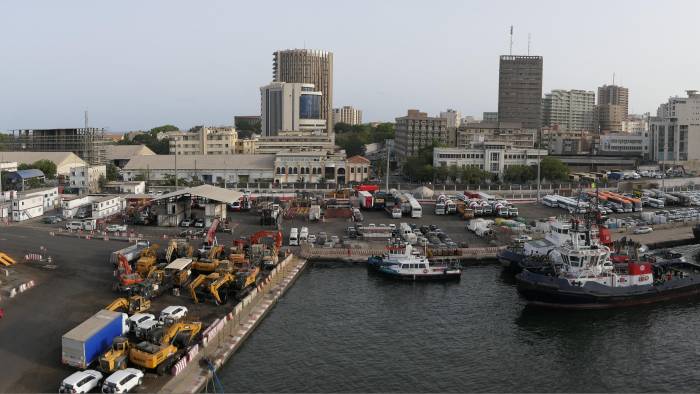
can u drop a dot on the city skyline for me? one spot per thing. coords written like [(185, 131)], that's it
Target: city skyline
[(132, 72)]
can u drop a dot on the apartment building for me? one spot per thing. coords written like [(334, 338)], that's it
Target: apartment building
[(347, 114), (569, 109), (454, 118), (417, 130), (624, 144), (567, 142), (506, 132), (87, 178), (209, 141)]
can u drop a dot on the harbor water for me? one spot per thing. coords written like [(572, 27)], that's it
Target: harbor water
[(343, 329)]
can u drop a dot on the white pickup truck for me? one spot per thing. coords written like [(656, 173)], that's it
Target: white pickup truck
[(113, 228)]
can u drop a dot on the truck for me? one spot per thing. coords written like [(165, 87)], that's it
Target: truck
[(131, 252), (314, 213), (366, 199), (82, 345)]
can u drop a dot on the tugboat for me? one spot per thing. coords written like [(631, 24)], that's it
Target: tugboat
[(588, 278), (545, 252), (403, 262)]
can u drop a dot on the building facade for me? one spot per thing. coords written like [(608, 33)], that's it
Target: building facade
[(308, 66), (520, 90), (612, 109), (454, 118), (87, 178), (347, 114), (209, 141), (569, 142), (675, 131), (293, 141), (491, 157), (512, 133), (624, 144), (614, 95), (569, 109), (417, 130), (320, 167), (290, 107), (33, 203)]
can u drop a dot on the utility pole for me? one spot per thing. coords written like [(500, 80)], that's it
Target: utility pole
[(176, 165), (386, 144), (539, 184), (510, 51)]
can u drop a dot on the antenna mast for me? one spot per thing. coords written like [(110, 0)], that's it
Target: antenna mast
[(86, 119), (528, 44), (510, 52), (613, 79)]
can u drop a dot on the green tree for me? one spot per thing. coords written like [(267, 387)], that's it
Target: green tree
[(454, 172), (102, 181), (519, 174), (553, 169), (150, 139), (341, 127), (442, 173), (112, 172), (24, 166), (6, 142), (46, 166), (383, 131), (474, 175)]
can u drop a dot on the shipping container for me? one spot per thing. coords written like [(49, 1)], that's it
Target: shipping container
[(84, 344)]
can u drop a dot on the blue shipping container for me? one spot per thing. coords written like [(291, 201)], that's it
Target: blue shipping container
[(84, 344)]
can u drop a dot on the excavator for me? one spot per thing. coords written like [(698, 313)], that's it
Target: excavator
[(223, 280), (127, 279), (133, 304), (212, 261), (116, 357), (162, 356), (198, 281), (148, 259), (246, 280), (269, 243)]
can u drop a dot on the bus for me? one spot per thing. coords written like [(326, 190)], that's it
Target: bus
[(550, 201), (416, 209), (572, 205)]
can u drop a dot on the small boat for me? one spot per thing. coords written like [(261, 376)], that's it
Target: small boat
[(402, 262)]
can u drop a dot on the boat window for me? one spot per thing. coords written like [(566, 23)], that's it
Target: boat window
[(423, 266), (594, 260), (574, 261), (404, 265)]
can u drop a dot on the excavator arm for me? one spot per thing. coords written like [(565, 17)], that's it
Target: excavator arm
[(216, 285), (191, 328), (119, 303)]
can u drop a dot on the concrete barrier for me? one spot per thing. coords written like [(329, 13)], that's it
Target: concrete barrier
[(179, 366)]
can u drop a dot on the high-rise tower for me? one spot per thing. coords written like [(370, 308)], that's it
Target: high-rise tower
[(520, 90)]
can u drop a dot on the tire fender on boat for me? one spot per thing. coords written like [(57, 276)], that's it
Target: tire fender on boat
[(425, 271)]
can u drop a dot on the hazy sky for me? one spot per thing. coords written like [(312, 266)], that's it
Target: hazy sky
[(139, 64)]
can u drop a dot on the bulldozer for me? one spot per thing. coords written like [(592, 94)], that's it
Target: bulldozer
[(164, 355), (148, 259), (116, 357), (133, 304)]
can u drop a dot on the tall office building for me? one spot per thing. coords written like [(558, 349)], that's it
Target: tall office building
[(520, 90), (308, 66), (569, 109), (613, 107), (290, 107)]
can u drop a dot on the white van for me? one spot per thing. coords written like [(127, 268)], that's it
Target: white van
[(294, 237), (304, 234), (74, 225)]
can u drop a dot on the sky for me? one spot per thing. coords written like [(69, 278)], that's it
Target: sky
[(137, 64)]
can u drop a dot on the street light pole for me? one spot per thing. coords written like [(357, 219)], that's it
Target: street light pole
[(386, 143), (539, 159)]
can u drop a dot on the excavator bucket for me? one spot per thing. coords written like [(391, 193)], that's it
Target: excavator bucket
[(6, 260)]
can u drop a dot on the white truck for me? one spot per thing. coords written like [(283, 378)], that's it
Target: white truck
[(314, 213)]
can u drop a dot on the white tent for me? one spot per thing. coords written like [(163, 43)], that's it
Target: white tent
[(422, 192)]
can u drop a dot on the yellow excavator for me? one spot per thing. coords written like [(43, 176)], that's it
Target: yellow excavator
[(223, 280), (148, 259), (246, 280), (133, 304), (198, 281), (164, 355), (211, 263), (115, 358)]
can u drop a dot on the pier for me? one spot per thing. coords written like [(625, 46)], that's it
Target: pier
[(360, 255), (225, 336)]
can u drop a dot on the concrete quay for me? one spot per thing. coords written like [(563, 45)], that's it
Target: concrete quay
[(360, 255), (234, 329)]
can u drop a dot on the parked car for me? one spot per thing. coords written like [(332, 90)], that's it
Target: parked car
[(643, 230), (123, 381), (199, 223), (522, 238), (145, 329), (51, 219), (81, 382), (312, 239), (113, 228), (186, 223), (74, 225), (335, 239), (173, 312), (139, 318)]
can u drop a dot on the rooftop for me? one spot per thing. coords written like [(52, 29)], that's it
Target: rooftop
[(202, 162), (205, 191), (30, 157), (121, 152)]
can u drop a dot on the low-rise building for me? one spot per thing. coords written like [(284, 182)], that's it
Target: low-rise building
[(119, 155), (491, 157), (489, 117), (675, 132), (87, 178), (319, 167), (64, 160), (511, 133), (624, 144), (9, 166), (104, 206), (347, 114), (569, 142), (23, 179), (203, 140), (211, 169), (126, 187), (357, 169), (294, 141), (32, 203)]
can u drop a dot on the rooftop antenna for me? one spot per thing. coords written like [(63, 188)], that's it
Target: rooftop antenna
[(528, 44), (86, 119), (613, 79), (511, 40)]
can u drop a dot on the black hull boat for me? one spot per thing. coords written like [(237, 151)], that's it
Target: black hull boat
[(555, 292)]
